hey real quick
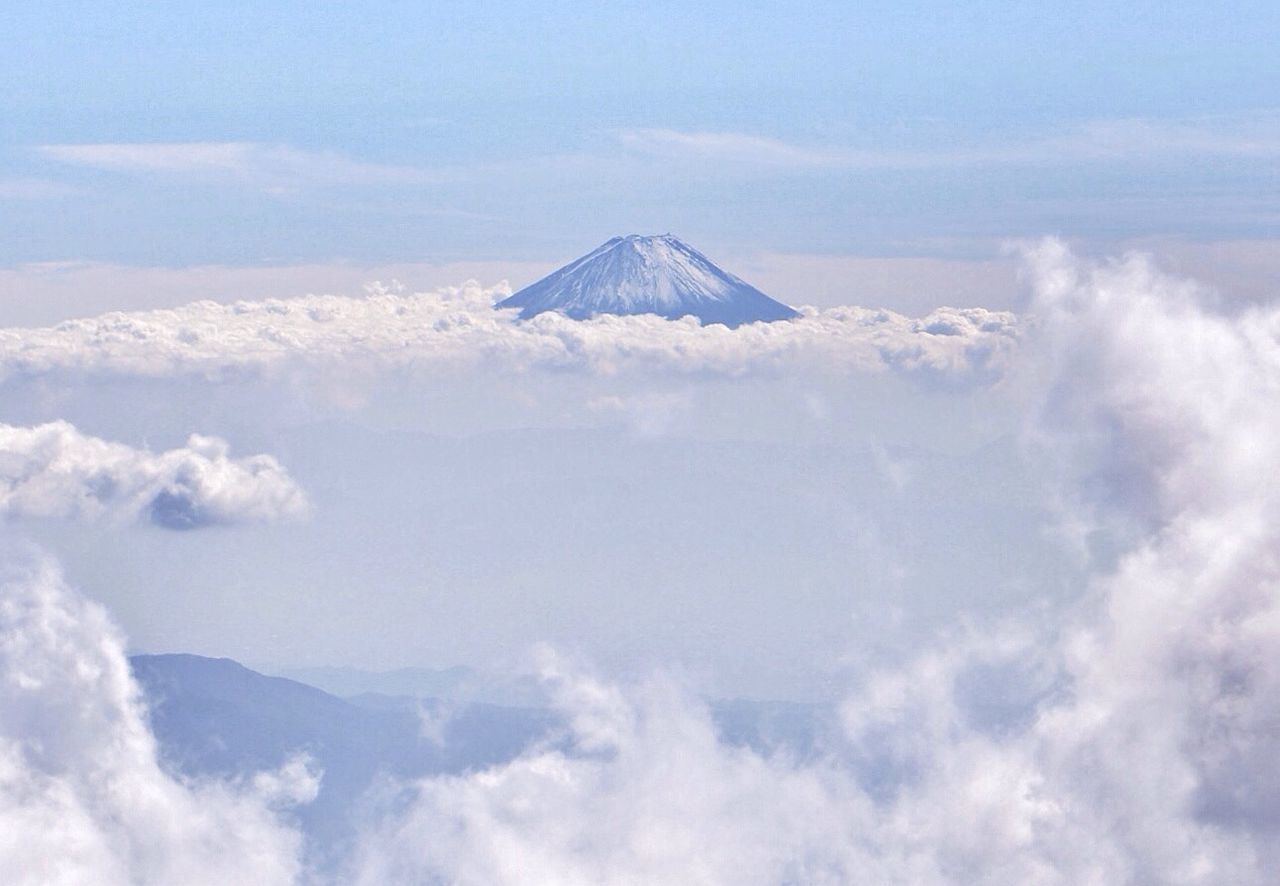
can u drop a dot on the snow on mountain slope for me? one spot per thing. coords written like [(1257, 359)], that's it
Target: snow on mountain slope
[(648, 275)]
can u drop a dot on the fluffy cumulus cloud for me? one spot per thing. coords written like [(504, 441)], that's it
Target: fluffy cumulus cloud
[(645, 794), (1165, 417), (1128, 739), (82, 797), (54, 470), (459, 328)]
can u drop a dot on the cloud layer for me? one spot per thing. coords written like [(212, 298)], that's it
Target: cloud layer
[(1130, 739), (647, 794), (459, 329), (82, 797), (53, 470)]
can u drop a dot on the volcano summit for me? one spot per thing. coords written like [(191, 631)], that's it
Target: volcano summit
[(647, 275)]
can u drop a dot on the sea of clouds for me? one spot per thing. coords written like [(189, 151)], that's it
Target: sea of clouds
[(460, 329), (1128, 738)]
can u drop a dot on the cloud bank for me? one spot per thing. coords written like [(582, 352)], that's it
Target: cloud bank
[(459, 329), (1130, 739), (82, 797), (53, 470), (647, 794)]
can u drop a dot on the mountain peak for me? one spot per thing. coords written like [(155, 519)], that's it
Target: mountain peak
[(647, 274)]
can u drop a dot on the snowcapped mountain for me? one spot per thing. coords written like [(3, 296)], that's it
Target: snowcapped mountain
[(648, 275)]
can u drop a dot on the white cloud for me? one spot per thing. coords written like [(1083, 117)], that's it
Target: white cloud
[(458, 328), (1129, 739), (1248, 138), (29, 188), (264, 164), (53, 470), (82, 797), (730, 146), (1243, 137), (156, 157), (647, 795), (1254, 137)]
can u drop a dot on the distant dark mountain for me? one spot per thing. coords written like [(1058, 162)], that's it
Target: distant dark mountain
[(216, 717), (457, 684), (648, 275)]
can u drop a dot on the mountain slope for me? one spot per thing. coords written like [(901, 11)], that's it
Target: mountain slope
[(648, 275), (214, 717)]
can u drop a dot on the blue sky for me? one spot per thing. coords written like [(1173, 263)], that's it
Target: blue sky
[(245, 134)]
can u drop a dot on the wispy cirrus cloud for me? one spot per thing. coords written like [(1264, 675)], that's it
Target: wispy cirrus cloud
[(731, 146), (1255, 137), (31, 188), (251, 161)]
